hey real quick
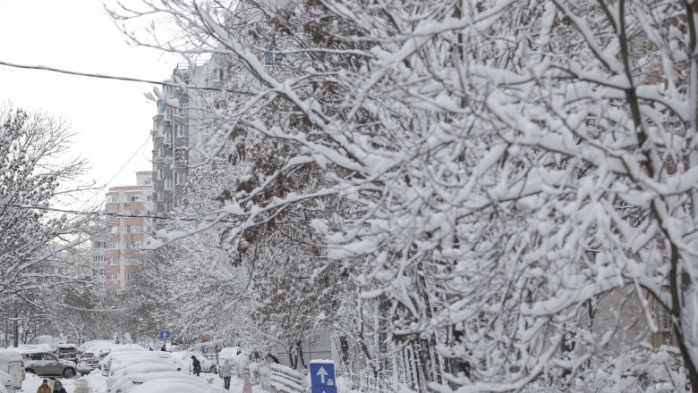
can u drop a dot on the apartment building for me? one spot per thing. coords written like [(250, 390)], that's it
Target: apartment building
[(116, 254)]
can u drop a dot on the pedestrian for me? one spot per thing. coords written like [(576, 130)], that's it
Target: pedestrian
[(164, 349), (226, 372), (196, 365), (44, 388), (58, 387), (247, 386)]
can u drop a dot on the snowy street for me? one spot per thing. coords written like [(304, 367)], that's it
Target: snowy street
[(96, 383)]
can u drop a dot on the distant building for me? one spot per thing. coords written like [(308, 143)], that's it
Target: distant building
[(116, 254), (170, 135)]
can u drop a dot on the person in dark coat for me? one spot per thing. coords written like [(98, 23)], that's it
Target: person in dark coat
[(58, 387), (195, 365)]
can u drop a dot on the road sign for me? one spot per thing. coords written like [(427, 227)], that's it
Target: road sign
[(204, 349), (323, 389), (164, 335), (322, 374)]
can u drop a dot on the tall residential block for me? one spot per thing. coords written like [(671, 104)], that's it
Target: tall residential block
[(116, 254)]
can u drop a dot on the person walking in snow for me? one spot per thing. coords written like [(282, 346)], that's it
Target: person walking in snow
[(44, 388), (226, 372), (247, 386), (58, 387), (196, 365)]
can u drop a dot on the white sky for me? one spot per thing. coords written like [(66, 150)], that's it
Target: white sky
[(112, 118)]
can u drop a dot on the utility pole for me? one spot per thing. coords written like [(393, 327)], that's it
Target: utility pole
[(5, 341)]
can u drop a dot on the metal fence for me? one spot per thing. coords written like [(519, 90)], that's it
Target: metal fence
[(287, 380)]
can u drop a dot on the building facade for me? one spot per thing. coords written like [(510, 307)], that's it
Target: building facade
[(116, 254)]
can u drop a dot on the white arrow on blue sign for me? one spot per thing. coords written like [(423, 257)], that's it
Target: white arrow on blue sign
[(322, 374), (164, 335)]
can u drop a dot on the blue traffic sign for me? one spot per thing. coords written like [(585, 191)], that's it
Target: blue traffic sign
[(204, 349), (164, 335), (322, 375), (323, 389)]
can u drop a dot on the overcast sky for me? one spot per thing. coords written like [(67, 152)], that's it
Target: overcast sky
[(112, 118)]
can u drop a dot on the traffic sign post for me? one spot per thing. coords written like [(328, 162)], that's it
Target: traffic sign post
[(322, 378)]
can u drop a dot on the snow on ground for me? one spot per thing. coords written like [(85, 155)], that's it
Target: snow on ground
[(98, 383), (31, 383)]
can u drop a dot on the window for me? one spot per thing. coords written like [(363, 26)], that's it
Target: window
[(168, 114), (113, 261), (134, 229), (48, 356), (133, 245), (147, 181), (131, 261), (168, 183), (161, 107), (112, 198), (220, 104), (98, 258), (98, 245), (273, 57), (111, 246), (181, 130), (97, 272), (133, 212), (112, 276), (217, 75), (149, 198), (111, 292), (161, 174), (133, 197), (664, 321), (114, 230), (168, 137), (180, 178), (130, 275)]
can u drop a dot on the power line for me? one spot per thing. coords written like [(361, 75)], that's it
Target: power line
[(110, 214), (111, 77)]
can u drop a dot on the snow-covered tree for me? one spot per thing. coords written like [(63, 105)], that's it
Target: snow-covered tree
[(519, 178)]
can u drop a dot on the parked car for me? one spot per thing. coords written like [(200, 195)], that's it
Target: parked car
[(171, 384), (113, 383), (11, 362), (67, 352), (6, 382), (116, 361), (89, 361), (45, 363)]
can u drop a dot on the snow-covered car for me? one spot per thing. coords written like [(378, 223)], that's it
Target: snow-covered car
[(96, 346), (115, 361), (67, 352), (6, 382), (45, 363), (11, 362), (89, 361), (137, 369), (207, 366), (164, 384)]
